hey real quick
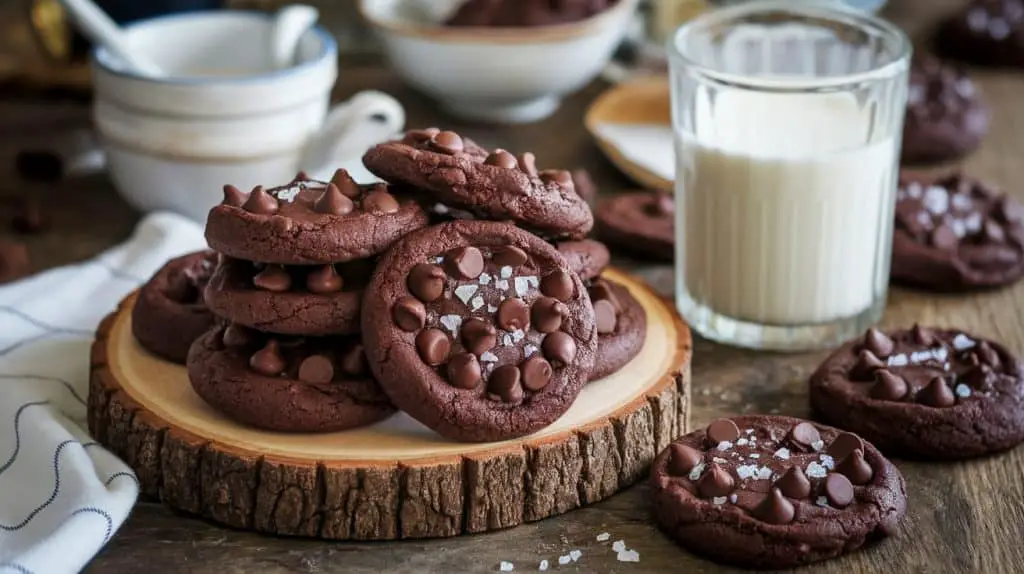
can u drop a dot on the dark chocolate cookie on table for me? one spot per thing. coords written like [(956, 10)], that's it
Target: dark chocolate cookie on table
[(986, 33), (308, 222), (946, 118), (478, 330), (640, 223), (956, 233), (586, 257), (170, 313), (923, 393), (488, 185), (286, 384), (621, 326)]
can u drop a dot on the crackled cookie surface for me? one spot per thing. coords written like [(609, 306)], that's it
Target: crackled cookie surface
[(945, 117)]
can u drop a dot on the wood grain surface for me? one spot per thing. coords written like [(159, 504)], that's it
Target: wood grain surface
[(964, 517)]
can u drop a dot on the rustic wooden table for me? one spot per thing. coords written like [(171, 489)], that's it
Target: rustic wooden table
[(965, 517)]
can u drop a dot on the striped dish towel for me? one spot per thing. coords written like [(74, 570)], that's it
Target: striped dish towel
[(62, 496)]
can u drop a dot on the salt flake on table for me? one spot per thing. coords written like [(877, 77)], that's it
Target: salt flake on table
[(782, 453), (963, 391), (563, 560), (628, 556), (575, 554), (543, 565), (619, 546), (506, 566), (815, 470), (603, 537), (465, 292)]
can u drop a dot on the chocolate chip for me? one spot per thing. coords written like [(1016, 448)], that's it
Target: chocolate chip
[(448, 142), (843, 445), (345, 184), (464, 262), (236, 336), (794, 483), (513, 314), (528, 163), (716, 481), (600, 290), (721, 430), (433, 346), (268, 361), (559, 348), (510, 256), (29, 218), (316, 369), (409, 314), (993, 232), (774, 508), (936, 394), (605, 317), (804, 436), (380, 203), (353, 361), (260, 202), (14, 261), (682, 459), (987, 355), (478, 336), (333, 202), (504, 383), (865, 366), (273, 278), (888, 386), (233, 196), (838, 490), (878, 343), (558, 284), (943, 237), (502, 158), (324, 279), (547, 314), (464, 371), (558, 176), (855, 468), (536, 373), (922, 335), (426, 282)]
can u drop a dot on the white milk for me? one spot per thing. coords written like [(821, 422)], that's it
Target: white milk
[(784, 208)]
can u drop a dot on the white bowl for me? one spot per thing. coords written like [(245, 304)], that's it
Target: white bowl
[(506, 75)]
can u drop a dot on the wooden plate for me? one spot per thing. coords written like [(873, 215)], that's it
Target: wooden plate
[(640, 101), (395, 479)]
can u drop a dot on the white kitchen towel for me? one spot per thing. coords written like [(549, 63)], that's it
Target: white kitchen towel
[(62, 496)]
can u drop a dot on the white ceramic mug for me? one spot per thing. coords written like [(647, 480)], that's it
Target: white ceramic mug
[(224, 114)]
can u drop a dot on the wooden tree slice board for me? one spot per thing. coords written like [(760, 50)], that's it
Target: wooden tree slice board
[(395, 479)]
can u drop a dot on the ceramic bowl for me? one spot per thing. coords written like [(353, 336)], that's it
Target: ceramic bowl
[(503, 75)]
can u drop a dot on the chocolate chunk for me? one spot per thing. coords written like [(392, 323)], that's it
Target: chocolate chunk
[(936, 394), (843, 445), (260, 202), (268, 361), (409, 314), (855, 468), (547, 314), (804, 436), (333, 202), (316, 369), (536, 373), (838, 490), (987, 355), (558, 284), (380, 203), (14, 262), (605, 316), (273, 278), (683, 459), (923, 335), (426, 282), (559, 348), (509, 256), (464, 371), (345, 184), (447, 142), (513, 314), (478, 336), (353, 362), (722, 430), (528, 163), (504, 383), (774, 508), (324, 279), (464, 262), (880, 344), (236, 336), (502, 158), (29, 218), (716, 481), (794, 483), (433, 346), (865, 367), (888, 387), (557, 176)]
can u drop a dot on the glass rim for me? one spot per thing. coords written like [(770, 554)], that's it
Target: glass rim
[(823, 10)]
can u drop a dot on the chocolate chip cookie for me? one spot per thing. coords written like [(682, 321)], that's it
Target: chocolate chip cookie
[(924, 393), (946, 118), (621, 326), (489, 185), (586, 257), (170, 313), (775, 492), (986, 33), (529, 13), (956, 234), (310, 222), (641, 224), (311, 300), (478, 330), (286, 384)]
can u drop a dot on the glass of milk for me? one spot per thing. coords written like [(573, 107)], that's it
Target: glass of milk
[(787, 119)]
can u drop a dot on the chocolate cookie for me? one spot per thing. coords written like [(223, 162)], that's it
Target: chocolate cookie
[(640, 224), (924, 393), (497, 186), (621, 326), (775, 492), (945, 117), (286, 384), (478, 330), (520, 13), (586, 257), (955, 234), (170, 313), (310, 222), (986, 33), (312, 300)]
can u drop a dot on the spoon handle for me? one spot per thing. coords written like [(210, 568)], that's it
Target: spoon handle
[(101, 30)]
